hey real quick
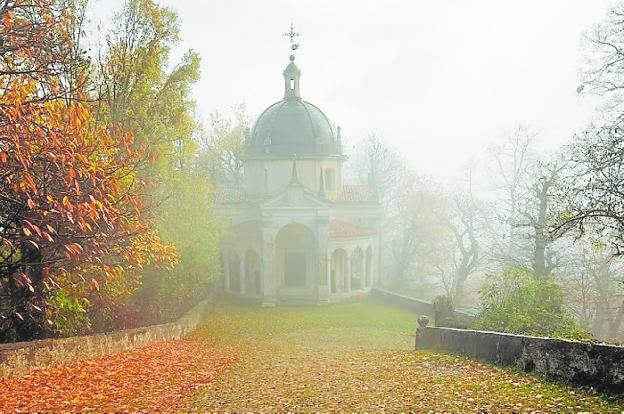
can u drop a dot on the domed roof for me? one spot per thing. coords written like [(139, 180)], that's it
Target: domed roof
[(293, 126)]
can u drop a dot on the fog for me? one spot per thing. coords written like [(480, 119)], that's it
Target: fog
[(457, 114), (283, 206), (438, 79)]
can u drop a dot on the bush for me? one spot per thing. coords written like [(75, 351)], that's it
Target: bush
[(70, 313), (520, 302)]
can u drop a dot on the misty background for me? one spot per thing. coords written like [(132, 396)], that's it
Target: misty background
[(438, 79)]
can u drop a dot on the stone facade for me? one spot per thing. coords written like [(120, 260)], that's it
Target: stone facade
[(295, 234)]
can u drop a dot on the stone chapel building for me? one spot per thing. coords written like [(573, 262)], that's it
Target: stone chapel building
[(295, 233)]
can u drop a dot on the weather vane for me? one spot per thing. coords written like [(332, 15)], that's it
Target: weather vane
[(292, 35)]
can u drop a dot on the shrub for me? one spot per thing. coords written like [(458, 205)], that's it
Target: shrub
[(520, 302), (70, 313)]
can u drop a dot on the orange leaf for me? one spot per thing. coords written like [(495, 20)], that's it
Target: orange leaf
[(95, 284)]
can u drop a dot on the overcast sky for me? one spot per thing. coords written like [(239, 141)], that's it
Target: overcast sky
[(440, 79)]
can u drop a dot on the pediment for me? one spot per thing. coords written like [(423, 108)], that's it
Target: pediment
[(295, 197)]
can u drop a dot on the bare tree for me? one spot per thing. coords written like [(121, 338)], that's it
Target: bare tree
[(593, 187), (538, 212), (603, 71), (595, 289), (511, 159), (418, 241), (466, 220), (379, 166)]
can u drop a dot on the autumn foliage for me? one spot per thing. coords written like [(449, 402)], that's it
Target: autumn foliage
[(71, 215), (160, 377)]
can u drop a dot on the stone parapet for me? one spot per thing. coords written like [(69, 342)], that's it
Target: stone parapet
[(598, 365)]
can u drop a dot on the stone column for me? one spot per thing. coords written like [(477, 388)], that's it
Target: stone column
[(226, 272), (348, 272), (269, 289), (372, 269), (242, 274), (322, 268), (323, 280), (329, 274)]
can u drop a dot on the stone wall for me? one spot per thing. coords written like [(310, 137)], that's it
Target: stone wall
[(414, 305), (582, 363), (419, 306), (19, 358)]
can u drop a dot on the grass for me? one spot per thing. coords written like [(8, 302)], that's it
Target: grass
[(358, 357)]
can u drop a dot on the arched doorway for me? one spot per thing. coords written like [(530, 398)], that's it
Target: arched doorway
[(253, 273), (337, 271), (369, 264), (296, 256), (357, 269)]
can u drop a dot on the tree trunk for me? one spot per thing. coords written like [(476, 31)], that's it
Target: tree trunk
[(29, 322)]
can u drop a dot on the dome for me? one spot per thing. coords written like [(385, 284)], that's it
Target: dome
[(293, 126)]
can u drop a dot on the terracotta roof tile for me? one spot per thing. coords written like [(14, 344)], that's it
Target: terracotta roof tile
[(339, 229), (356, 194)]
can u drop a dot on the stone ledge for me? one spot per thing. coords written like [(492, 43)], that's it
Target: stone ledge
[(19, 358), (598, 365)]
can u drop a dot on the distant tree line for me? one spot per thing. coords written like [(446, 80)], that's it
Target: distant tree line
[(520, 220)]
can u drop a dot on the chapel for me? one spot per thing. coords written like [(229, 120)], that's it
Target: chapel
[(295, 233)]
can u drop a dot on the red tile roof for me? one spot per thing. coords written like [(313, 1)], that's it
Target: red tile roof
[(229, 195), (339, 229), (355, 194)]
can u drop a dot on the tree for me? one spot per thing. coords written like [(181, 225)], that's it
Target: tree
[(538, 214), (39, 42), (139, 91), (603, 71), (592, 189), (594, 181), (417, 241), (136, 90), (465, 219), (379, 166), (512, 157), (69, 196), (222, 146), (530, 189), (70, 210), (595, 289)]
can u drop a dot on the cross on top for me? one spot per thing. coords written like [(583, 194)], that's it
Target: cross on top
[(292, 35)]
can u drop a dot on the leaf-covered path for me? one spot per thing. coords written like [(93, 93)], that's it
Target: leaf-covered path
[(356, 358), (157, 378), (352, 357)]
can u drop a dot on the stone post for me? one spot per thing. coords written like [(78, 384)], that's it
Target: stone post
[(423, 321)]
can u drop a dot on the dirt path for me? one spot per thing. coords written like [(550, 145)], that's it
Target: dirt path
[(357, 358), (350, 357)]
